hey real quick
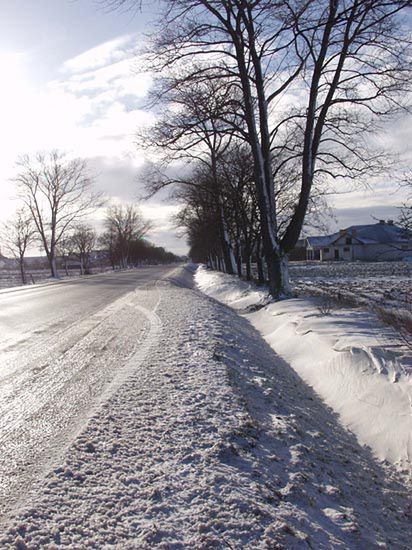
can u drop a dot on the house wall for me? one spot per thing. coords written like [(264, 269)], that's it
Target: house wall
[(312, 253), (337, 252), (366, 252), (382, 252)]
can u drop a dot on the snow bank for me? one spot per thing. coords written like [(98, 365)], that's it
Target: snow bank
[(356, 364)]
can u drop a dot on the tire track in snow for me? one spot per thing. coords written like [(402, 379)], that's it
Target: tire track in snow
[(133, 363), (42, 413)]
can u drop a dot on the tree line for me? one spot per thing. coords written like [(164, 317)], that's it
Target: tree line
[(264, 107), (57, 197)]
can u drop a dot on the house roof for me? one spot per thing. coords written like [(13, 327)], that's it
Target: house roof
[(319, 241), (376, 233)]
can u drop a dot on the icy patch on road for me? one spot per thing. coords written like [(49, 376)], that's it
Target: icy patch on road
[(356, 364)]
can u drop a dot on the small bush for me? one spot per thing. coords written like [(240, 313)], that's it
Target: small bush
[(326, 306), (401, 322)]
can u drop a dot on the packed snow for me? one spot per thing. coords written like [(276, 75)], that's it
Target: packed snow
[(212, 441), (360, 367)]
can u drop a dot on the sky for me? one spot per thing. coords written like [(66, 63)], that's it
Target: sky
[(70, 81)]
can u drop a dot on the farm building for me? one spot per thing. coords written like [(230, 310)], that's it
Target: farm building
[(383, 241)]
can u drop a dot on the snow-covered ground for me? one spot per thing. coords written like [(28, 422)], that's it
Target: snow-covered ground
[(212, 441), (385, 285), (10, 278), (360, 367)]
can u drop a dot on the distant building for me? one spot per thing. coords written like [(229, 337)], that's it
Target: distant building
[(383, 241)]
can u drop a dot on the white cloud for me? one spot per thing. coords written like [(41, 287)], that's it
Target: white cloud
[(91, 109), (102, 55)]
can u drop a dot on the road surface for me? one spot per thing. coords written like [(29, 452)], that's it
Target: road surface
[(61, 346)]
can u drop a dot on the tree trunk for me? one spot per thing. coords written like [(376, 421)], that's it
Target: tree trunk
[(257, 121), (313, 130), (239, 259), (53, 263), (228, 256), (247, 255), (22, 271), (263, 175), (259, 263), (220, 264)]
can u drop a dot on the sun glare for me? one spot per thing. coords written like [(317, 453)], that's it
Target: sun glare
[(14, 93), (14, 79)]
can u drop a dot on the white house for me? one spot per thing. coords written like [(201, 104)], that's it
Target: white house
[(381, 241)]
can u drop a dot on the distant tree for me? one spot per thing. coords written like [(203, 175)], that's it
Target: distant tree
[(197, 129), (83, 241), (17, 234), (405, 217), (108, 243), (123, 225), (65, 251), (58, 193), (405, 212)]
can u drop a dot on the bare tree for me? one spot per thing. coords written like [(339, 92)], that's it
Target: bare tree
[(405, 211), (65, 251), (58, 193), (348, 58), (108, 243), (83, 240), (124, 224), (357, 74), (405, 217), (198, 129), (227, 38), (354, 57), (17, 234)]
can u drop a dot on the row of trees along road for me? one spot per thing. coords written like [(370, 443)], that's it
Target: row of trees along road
[(293, 88), (57, 195)]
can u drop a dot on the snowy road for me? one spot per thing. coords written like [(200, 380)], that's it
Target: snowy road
[(30, 314), (61, 345), (206, 440)]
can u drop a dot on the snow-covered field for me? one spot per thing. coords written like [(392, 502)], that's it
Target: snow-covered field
[(372, 284), (360, 367), (11, 277), (212, 441)]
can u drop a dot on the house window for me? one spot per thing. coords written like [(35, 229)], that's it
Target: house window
[(326, 250), (348, 240), (346, 249)]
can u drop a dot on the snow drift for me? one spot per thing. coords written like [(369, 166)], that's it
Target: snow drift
[(356, 364)]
